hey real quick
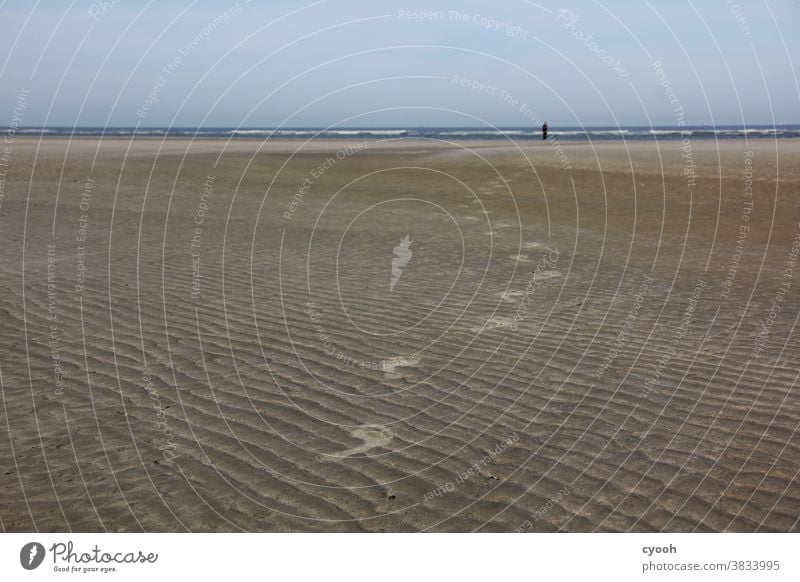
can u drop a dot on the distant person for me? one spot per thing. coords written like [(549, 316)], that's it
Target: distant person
[(544, 131)]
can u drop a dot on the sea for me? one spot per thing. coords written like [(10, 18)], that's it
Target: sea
[(633, 133)]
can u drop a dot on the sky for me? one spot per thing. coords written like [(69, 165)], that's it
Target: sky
[(351, 63)]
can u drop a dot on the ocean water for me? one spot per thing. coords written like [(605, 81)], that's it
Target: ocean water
[(436, 133)]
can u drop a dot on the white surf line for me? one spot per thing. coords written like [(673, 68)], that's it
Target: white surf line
[(373, 435), (543, 275)]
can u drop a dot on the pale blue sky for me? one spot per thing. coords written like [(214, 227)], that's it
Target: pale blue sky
[(356, 62)]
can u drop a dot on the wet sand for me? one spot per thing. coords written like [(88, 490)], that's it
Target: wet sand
[(399, 336)]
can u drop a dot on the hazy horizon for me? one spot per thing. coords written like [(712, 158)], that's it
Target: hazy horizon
[(195, 63)]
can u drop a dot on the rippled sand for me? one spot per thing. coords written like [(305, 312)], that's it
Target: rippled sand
[(399, 336)]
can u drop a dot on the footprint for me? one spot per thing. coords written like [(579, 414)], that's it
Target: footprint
[(391, 365), (544, 275), (510, 296), (373, 436), (494, 323)]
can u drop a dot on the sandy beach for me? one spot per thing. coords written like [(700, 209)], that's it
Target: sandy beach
[(400, 335)]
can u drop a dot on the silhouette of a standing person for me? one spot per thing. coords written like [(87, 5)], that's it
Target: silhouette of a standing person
[(544, 131)]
